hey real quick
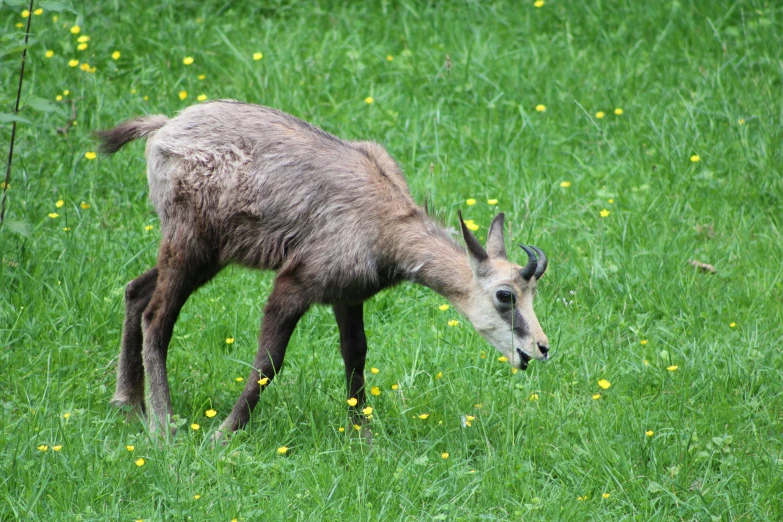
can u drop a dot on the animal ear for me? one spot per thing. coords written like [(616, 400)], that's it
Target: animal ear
[(496, 246), (476, 252)]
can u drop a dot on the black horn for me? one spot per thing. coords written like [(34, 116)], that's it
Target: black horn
[(532, 264), (541, 262)]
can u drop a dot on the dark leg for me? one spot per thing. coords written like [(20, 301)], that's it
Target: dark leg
[(176, 281), (286, 305), (353, 346), (130, 372)]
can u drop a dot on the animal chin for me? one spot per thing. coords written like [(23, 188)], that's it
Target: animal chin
[(523, 359)]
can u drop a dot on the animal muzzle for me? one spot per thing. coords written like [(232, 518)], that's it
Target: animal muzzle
[(524, 358)]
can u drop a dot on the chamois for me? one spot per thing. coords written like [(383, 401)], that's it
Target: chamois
[(239, 183)]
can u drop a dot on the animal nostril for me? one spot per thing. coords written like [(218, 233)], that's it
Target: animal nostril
[(544, 348)]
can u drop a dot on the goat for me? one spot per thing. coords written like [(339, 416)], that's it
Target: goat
[(239, 183)]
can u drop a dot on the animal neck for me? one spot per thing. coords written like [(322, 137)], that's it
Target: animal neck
[(426, 254)]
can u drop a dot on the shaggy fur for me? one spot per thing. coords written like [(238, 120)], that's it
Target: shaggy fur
[(240, 183)]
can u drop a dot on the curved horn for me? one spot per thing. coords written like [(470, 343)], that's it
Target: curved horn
[(541, 262), (532, 263)]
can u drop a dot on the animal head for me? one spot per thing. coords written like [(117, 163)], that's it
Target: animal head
[(500, 303)]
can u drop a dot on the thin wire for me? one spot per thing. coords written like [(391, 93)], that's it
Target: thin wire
[(16, 111)]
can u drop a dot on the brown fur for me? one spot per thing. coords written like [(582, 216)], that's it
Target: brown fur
[(240, 183)]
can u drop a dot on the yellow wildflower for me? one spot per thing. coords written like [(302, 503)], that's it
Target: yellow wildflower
[(59, 203), (389, 58), (263, 381), (20, 25), (492, 202), (357, 427), (139, 462), (503, 358), (596, 396), (210, 413), (443, 307), (90, 155), (25, 13), (83, 39), (604, 213), (741, 121), (187, 60), (67, 415), (54, 215), (732, 325), (610, 200), (444, 455), (239, 379), (453, 322), (646, 362), (600, 114), (649, 433), (538, 3), (540, 108), (470, 202), (49, 53), (374, 370), (149, 227), (606, 495), (672, 368), (369, 100), (341, 429), (196, 497), (643, 342), (395, 386), (76, 29), (201, 76), (533, 397), (115, 55), (353, 401), (257, 56), (565, 184), (618, 111), (81, 47), (375, 391), (57, 448), (471, 225), (59, 97), (195, 427), (603, 383), (424, 416), (438, 375), (73, 63), (183, 95), (84, 205), (581, 498), (695, 158), (201, 97), (43, 447), (282, 450), (367, 410), (130, 448), (230, 340)]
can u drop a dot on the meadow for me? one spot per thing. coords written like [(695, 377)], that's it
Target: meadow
[(624, 138)]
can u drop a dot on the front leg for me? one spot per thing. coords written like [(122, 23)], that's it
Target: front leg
[(353, 346), (287, 303)]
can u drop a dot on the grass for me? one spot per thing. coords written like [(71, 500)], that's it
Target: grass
[(456, 106)]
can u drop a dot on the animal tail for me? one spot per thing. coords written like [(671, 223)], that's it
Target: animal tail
[(114, 139)]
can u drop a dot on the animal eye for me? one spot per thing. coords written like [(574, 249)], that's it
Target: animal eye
[(504, 296)]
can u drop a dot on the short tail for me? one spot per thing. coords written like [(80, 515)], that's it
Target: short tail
[(114, 139)]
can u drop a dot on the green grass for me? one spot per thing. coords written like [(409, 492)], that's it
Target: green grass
[(684, 73)]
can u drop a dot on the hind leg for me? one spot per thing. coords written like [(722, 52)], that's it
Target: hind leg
[(130, 372), (177, 280)]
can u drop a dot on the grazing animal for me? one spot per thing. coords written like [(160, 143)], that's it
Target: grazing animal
[(239, 183)]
